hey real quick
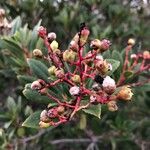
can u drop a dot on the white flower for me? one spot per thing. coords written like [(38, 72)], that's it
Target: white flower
[(109, 85), (100, 57), (52, 36), (74, 90)]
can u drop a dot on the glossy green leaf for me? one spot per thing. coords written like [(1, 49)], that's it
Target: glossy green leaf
[(33, 120), (24, 79), (94, 110)]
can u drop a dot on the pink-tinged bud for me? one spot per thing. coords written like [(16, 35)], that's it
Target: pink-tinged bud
[(99, 57), (146, 55), (109, 85), (76, 38), (95, 44), (2, 12), (112, 106), (37, 53), (125, 93), (74, 46), (105, 45), (36, 85), (44, 91), (133, 56), (42, 32), (60, 109), (74, 90), (93, 99), (84, 36), (43, 124), (51, 36), (44, 117), (131, 42), (76, 78), (52, 113), (60, 73)]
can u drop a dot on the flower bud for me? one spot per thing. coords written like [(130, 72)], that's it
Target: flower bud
[(76, 78), (2, 12), (146, 55), (92, 99), (54, 45), (74, 46), (60, 109), (69, 56), (43, 124), (105, 45), (109, 85), (133, 56), (84, 36), (110, 67), (52, 113), (99, 57), (74, 90), (96, 87), (95, 44), (37, 53), (59, 73), (125, 93), (112, 106), (44, 91), (51, 36), (36, 85), (57, 51), (43, 116), (52, 70), (42, 32), (131, 42)]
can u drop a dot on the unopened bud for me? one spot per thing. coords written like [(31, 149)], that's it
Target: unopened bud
[(54, 45), (52, 113), (133, 56), (74, 90), (95, 44), (125, 93), (112, 106), (84, 36), (69, 56), (74, 46), (146, 55), (43, 116), (59, 73), (51, 36), (109, 85), (43, 124), (37, 53), (96, 87), (36, 85), (42, 32), (52, 70), (131, 42), (99, 57), (92, 99), (105, 45), (76, 78), (60, 109), (43, 91)]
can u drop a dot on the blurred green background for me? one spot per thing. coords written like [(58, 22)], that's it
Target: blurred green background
[(117, 20)]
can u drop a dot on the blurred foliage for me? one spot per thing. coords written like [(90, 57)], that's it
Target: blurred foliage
[(129, 128)]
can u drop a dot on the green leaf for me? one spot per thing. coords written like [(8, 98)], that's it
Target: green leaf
[(16, 24), (24, 79), (115, 64), (39, 69), (33, 120), (34, 96), (145, 87), (128, 74), (94, 110)]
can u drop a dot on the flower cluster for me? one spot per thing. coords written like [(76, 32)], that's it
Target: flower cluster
[(86, 67)]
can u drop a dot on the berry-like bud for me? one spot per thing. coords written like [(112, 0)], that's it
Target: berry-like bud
[(36, 85), (99, 57), (125, 93), (74, 90), (51, 36), (52, 113), (133, 56), (37, 53), (54, 45), (92, 99), (43, 116), (84, 36), (59, 73), (74, 46), (44, 91), (42, 32), (95, 44), (146, 55), (105, 45), (57, 51), (112, 106), (60, 109), (69, 56), (131, 42), (109, 85), (76, 78), (52, 70), (43, 124)]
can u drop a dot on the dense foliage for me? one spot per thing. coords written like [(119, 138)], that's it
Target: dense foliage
[(128, 128)]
